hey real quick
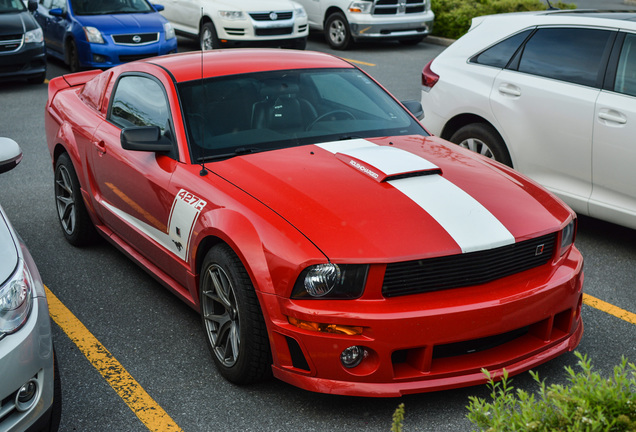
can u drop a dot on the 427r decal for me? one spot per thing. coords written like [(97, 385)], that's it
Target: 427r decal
[(186, 208)]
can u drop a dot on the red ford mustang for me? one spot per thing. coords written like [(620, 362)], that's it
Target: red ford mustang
[(321, 232)]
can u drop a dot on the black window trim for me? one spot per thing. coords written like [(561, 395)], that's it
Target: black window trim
[(473, 58), (612, 66)]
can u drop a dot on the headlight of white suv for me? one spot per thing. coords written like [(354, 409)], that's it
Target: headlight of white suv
[(16, 299), (93, 35), (34, 36), (232, 15), (299, 11)]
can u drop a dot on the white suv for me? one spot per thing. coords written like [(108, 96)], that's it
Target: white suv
[(219, 23), (552, 94), (345, 21)]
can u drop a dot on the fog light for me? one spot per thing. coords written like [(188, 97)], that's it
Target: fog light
[(26, 396), (99, 58), (352, 356)]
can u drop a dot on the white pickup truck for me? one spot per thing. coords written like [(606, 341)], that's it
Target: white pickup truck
[(219, 23), (345, 21)]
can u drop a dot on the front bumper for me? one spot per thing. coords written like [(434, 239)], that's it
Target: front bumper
[(366, 26), (432, 341), (109, 54), (28, 62), (24, 356)]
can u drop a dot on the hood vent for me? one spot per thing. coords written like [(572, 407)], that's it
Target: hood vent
[(383, 163)]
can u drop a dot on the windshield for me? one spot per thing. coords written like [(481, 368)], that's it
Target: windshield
[(271, 110), (9, 6), (107, 7)]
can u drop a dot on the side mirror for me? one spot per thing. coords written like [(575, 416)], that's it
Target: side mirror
[(145, 138), (32, 5), (10, 154), (158, 7), (57, 12), (415, 108)]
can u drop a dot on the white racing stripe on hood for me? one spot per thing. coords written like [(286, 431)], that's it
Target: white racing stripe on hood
[(466, 220)]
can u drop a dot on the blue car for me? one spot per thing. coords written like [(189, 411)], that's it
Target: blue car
[(104, 33)]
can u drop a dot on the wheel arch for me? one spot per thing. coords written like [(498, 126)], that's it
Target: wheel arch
[(204, 20), (330, 11)]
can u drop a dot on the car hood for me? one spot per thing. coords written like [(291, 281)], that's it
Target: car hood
[(399, 198), (16, 23), (255, 5), (124, 23), (8, 249)]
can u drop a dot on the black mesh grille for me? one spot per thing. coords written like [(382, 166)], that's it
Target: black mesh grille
[(461, 270), (274, 31), (267, 16), (135, 39), (129, 58)]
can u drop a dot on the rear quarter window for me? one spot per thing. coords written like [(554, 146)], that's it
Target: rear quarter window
[(499, 55)]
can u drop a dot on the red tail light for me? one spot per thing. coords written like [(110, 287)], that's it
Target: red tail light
[(429, 78)]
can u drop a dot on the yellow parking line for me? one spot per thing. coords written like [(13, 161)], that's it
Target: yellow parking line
[(140, 402), (609, 308), (358, 62)]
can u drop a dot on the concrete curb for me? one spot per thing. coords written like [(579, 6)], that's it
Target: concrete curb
[(437, 40)]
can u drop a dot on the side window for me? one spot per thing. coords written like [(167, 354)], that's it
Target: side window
[(568, 54), (626, 72), (46, 3), (499, 55), (139, 101), (58, 4)]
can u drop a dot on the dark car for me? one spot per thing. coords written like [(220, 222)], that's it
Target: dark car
[(105, 33), (22, 52)]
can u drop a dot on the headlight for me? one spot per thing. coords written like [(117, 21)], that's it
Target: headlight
[(299, 12), (93, 35), (169, 30), (232, 15), (34, 36), (360, 6), (331, 281), (16, 300), (567, 236)]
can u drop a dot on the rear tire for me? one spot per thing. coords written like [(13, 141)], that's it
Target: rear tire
[(483, 139), (232, 319), (76, 224)]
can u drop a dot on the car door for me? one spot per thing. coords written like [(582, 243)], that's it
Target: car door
[(54, 27), (132, 187), (613, 174), (183, 14), (545, 100)]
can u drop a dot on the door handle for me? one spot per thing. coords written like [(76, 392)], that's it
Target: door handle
[(612, 116), (510, 90), (101, 147)]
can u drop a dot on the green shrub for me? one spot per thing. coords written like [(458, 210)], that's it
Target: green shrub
[(588, 403), (453, 17)]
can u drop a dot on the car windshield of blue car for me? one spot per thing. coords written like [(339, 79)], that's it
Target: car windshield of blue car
[(248, 113), (108, 7), (11, 6)]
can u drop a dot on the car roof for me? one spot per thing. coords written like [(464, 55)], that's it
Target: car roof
[(195, 64), (588, 17)]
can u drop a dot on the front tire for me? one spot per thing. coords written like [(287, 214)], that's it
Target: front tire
[(76, 224), (72, 56), (208, 40), (232, 318), (337, 32), (483, 139)]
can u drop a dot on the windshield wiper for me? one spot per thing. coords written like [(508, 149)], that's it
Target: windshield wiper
[(239, 151)]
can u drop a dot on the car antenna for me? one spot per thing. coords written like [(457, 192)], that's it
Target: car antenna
[(204, 170), (550, 7)]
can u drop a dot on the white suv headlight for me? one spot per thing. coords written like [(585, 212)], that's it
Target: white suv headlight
[(299, 11), (93, 35), (34, 36), (232, 15), (16, 299)]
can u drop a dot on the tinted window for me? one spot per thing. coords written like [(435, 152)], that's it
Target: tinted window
[(92, 7), (499, 55), (626, 73), (139, 101), (567, 54)]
